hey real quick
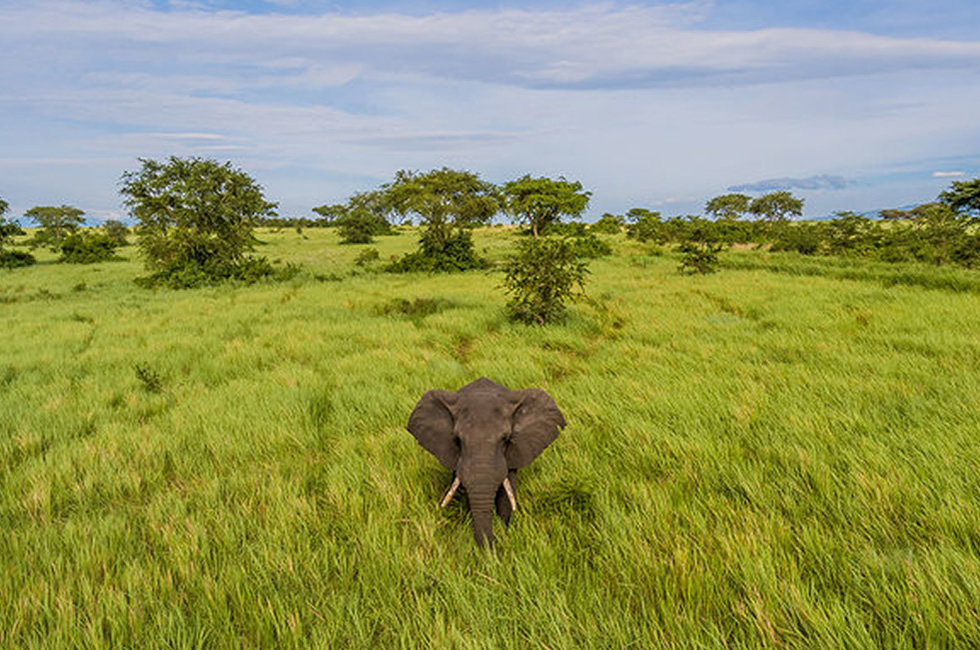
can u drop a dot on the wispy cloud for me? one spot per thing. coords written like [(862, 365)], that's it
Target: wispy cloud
[(639, 102), (948, 174), (591, 46)]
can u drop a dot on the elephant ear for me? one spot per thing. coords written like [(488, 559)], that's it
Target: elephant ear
[(432, 425), (537, 422)]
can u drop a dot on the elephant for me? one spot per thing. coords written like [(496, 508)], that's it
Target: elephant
[(485, 432)]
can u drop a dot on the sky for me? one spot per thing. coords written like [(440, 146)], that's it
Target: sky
[(856, 105)]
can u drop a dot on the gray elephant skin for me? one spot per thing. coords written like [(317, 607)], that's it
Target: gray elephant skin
[(485, 432)]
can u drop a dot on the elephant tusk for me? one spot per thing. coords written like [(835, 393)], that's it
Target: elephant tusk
[(450, 493), (510, 494)]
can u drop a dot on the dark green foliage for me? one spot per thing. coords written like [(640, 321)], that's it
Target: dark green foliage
[(700, 246), (367, 256), (544, 275), (359, 226), (365, 216), (590, 246), (540, 202), (851, 234), (776, 206), (645, 226), (728, 207), (449, 203), (149, 379), (415, 309), (608, 224), (10, 259), (195, 221), (437, 255), (963, 197), (117, 230), (57, 223), (88, 247), (9, 230), (804, 238)]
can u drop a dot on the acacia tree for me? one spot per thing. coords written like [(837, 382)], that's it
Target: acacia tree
[(448, 203), (776, 207), (963, 197), (57, 223), (540, 202), (195, 220), (728, 207)]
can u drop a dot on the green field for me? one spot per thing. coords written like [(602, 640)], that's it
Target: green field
[(782, 454)]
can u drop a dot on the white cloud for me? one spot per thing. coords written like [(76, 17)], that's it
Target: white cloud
[(637, 102), (948, 174)]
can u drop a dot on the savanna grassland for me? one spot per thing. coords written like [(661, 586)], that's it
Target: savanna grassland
[(782, 454)]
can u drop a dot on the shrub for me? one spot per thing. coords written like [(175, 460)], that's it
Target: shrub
[(590, 246), (440, 255), (608, 224), (803, 238), (360, 227), (367, 256), (647, 227), (88, 248), (10, 259), (700, 247), (541, 278), (14, 259), (117, 230)]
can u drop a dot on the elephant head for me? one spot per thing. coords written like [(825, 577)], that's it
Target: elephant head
[(485, 432)]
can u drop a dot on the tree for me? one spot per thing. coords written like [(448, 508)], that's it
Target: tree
[(88, 247), (850, 233), (701, 243), (543, 276), (776, 207), (963, 197), (540, 202), (449, 203), (444, 200), (364, 216), (9, 230), (195, 220), (57, 222), (117, 230), (645, 226), (609, 224), (728, 207)]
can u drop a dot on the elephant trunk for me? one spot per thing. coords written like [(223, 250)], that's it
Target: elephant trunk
[(481, 510)]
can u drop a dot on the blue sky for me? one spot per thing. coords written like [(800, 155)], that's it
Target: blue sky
[(852, 105)]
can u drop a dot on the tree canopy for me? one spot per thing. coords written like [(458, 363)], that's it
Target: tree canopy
[(776, 206), (195, 216), (728, 207), (57, 223), (540, 202), (963, 196), (444, 199)]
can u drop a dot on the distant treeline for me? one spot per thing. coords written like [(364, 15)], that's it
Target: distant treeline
[(935, 233)]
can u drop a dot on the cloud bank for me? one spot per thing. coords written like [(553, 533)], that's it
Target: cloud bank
[(821, 182), (639, 102)]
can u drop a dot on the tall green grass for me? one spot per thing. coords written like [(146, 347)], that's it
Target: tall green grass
[(753, 459)]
